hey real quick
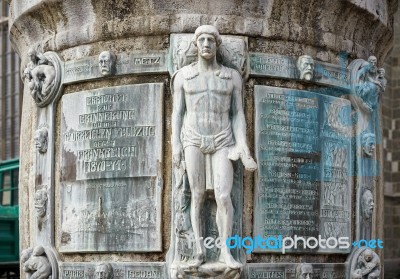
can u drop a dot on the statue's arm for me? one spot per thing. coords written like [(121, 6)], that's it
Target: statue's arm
[(240, 150), (178, 112)]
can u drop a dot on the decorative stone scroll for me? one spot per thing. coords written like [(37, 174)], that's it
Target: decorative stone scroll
[(43, 76), (111, 270), (304, 178), (295, 271), (111, 169), (231, 53), (125, 63)]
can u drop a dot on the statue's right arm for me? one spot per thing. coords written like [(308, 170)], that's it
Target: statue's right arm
[(178, 112)]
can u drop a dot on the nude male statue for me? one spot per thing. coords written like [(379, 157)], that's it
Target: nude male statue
[(208, 131)]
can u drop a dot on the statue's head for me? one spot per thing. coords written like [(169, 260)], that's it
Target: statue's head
[(304, 271), (381, 72), (368, 255), (368, 144), (305, 64), (207, 40), (367, 204), (104, 271), (41, 139), (106, 63), (41, 202), (32, 54), (373, 63)]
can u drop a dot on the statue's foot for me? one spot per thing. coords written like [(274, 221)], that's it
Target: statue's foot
[(227, 258), (197, 260)]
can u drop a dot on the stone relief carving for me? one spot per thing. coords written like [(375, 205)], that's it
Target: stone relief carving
[(369, 82), (43, 76), (41, 139), (104, 271), (305, 64), (37, 265), (232, 52), (367, 266), (304, 271), (107, 63), (367, 205), (368, 144), (41, 202), (204, 143)]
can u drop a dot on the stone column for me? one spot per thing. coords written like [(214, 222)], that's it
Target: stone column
[(98, 188)]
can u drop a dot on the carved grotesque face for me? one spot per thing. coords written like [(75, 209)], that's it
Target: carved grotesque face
[(41, 138), (106, 63), (40, 203), (367, 204), (104, 271), (372, 61), (32, 54), (306, 67)]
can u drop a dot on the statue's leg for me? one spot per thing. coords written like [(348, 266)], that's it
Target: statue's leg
[(223, 180), (195, 168)]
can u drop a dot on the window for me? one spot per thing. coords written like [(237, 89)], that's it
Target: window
[(9, 171)]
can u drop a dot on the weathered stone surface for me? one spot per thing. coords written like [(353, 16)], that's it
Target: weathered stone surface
[(304, 157), (110, 169), (153, 270)]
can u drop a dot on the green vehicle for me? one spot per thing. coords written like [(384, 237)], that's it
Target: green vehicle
[(9, 239)]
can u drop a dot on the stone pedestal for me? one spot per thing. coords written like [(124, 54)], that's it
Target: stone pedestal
[(99, 193)]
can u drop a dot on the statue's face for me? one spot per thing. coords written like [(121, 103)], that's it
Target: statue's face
[(40, 204), (381, 73), (105, 63), (306, 68), (372, 61), (102, 272), (306, 272), (41, 141), (368, 255), (369, 147), (368, 204), (207, 46)]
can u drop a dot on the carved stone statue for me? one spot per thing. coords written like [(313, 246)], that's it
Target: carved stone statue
[(304, 271), (40, 74), (41, 139), (382, 80), (208, 132), (38, 265), (41, 202), (107, 63), (104, 271), (367, 204), (305, 64), (368, 144), (368, 266)]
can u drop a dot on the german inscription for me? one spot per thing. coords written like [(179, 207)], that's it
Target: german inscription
[(303, 153), (110, 169)]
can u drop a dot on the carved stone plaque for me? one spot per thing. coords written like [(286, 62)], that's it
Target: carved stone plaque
[(118, 270), (273, 65), (288, 271), (303, 149), (111, 161)]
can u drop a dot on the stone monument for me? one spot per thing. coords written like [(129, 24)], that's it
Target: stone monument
[(141, 121)]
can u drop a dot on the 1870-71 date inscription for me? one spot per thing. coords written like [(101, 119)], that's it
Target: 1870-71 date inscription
[(110, 160)]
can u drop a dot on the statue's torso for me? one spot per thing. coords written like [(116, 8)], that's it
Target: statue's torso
[(208, 102)]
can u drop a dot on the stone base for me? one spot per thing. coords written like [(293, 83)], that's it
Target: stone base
[(208, 270)]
